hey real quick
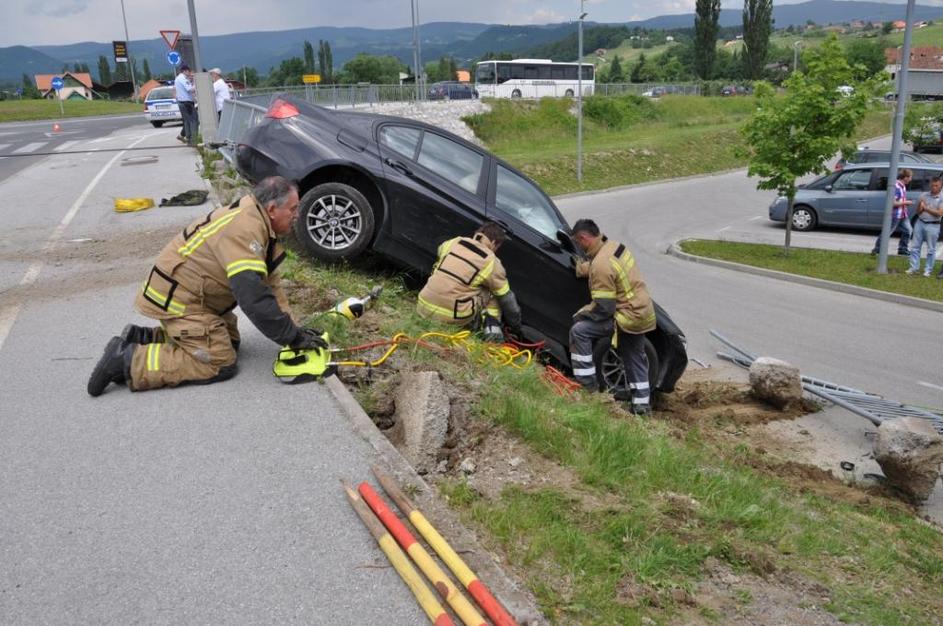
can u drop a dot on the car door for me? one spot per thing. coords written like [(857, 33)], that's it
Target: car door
[(539, 266), (919, 183), (435, 186), (849, 200)]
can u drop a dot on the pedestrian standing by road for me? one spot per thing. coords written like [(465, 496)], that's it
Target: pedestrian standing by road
[(184, 91), (220, 90), (927, 227), (900, 217), (469, 287), (620, 296), (226, 260)]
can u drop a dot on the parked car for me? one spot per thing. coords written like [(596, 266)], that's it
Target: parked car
[(874, 156), (452, 90), (853, 197), (160, 106), (735, 90), (927, 136), (400, 187)]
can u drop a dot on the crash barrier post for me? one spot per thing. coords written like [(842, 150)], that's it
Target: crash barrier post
[(477, 589), (397, 558), (440, 581)]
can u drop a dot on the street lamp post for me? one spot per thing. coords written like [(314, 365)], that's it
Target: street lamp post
[(127, 43), (795, 55), (579, 99), (412, 9), (422, 73)]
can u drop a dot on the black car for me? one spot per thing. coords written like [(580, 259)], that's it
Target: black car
[(402, 187), (867, 155), (452, 90)]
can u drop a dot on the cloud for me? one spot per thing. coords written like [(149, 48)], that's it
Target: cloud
[(57, 8), (545, 16)]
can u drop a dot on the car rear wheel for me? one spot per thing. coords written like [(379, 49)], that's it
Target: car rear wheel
[(157, 124), (569, 93), (803, 218), (334, 222), (516, 93), (610, 371)]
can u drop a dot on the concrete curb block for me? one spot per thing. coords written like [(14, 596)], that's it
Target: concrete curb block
[(919, 303), (520, 604)]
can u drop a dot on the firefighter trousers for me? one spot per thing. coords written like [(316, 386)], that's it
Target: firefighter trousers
[(197, 348), (631, 348)]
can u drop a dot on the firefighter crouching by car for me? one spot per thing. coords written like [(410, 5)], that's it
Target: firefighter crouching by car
[(469, 287), (226, 259), (619, 295)]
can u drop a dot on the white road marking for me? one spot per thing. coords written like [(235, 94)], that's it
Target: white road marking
[(758, 217), (59, 133), (65, 146), (930, 385), (30, 147), (8, 314)]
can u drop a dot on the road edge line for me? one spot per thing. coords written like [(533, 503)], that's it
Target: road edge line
[(518, 601), (829, 285)]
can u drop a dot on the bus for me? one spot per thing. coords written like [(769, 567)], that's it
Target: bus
[(532, 78)]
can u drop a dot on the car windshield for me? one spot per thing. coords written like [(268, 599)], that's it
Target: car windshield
[(161, 93), (485, 73)]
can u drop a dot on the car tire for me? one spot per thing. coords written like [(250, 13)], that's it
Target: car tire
[(803, 218), (335, 222), (516, 93), (610, 372), (569, 93), (157, 124)]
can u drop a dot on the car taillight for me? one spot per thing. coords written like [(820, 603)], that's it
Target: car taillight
[(279, 110), (838, 166)]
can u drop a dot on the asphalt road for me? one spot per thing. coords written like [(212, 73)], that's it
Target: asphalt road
[(217, 504), (25, 143)]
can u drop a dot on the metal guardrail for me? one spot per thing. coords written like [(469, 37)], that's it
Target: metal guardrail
[(237, 117)]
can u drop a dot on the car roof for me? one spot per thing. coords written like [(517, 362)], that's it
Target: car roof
[(911, 166)]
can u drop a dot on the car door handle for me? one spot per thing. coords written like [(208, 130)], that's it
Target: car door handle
[(400, 167)]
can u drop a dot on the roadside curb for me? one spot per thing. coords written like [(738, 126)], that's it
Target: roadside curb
[(919, 303), (518, 602)]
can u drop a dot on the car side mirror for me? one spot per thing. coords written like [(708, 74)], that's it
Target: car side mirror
[(828, 188), (566, 242)]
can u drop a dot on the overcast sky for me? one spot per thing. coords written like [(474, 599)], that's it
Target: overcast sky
[(38, 22)]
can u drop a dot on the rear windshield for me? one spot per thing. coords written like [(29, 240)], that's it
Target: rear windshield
[(161, 93)]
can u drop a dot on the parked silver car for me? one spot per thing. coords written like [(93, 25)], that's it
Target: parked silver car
[(853, 197)]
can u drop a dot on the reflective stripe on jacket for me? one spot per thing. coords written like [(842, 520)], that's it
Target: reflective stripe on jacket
[(613, 275)]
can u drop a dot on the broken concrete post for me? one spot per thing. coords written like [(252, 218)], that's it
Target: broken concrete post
[(421, 420), (910, 452), (776, 382)]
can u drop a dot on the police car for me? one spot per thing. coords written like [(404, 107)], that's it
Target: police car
[(160, 106)]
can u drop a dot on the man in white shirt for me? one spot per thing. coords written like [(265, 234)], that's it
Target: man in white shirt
[(220, 90), (184, 92)]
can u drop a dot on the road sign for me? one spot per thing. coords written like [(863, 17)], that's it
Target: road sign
[(310, 78), (170, 37), (173, 57), (121, 51), (57, 83)]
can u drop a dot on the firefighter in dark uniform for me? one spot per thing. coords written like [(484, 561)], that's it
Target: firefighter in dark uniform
[(621, 303), (469, 287), (226, 259)]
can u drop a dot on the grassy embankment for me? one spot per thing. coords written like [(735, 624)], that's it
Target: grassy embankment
[(25, 110), (652, 502), (852, 268), (627, 139)]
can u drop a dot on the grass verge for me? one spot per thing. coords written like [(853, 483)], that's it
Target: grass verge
[(26, 110), (627, 139), (651, 504), (851, 268)]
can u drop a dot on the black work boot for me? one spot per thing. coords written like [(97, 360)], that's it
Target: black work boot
[(132, 333), (113, 367)]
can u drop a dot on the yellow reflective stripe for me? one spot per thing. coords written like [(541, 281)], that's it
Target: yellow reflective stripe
[(602, 293), (623, 278), (444, 249), (483, 274), (174, 307), (242, 265), (625, 320), (493, 312), (153, 357), (500, 291), (434, 308), (210, 229)]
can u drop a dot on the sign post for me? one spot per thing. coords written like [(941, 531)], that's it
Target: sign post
[(57, 84)]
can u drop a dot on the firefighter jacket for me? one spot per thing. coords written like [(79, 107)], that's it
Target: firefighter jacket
[(226, 259), (465, 279), (617, 289)]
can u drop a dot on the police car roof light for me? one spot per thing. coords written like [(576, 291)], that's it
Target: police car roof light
[(279, 110)]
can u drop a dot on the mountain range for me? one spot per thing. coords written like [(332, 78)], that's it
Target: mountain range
[(463, 40)]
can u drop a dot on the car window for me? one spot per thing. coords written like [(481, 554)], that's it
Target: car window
[(161, 93), (919, 182), (400, 139), (856, 180), (820, 183), (452, 161), (519, 198)]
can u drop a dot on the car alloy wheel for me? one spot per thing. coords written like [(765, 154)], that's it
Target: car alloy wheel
[(516, 93), (569, 93), (610, 371), (335, 221), (803, 218)]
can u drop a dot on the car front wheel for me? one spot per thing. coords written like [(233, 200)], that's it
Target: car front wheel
[(157, 124), (569, 93), (610, 371), (516, 93), (803, 218), (334, 222)]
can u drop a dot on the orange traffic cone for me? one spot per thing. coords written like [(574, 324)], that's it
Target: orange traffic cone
[(56, 128)]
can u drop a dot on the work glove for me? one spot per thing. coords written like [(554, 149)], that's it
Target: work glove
[(308, 339)]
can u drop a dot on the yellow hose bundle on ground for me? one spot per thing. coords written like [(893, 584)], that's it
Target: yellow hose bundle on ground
[(129, 205)]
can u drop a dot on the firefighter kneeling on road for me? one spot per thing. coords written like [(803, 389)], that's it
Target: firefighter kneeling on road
[(619, 294), (469, 287), (226, 259)]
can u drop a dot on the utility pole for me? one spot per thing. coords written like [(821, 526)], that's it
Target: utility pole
[(412, 8), (422, 73), (204, 86), (795, 55), (127, 43), (579, 99), (897, 139)]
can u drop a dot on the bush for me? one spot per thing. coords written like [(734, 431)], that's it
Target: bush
[(618, 112), (510, 119)]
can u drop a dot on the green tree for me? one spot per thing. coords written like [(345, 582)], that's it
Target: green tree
[(29, 88), (867, 53), (325, 61), (757, 26), (104, 70), (367, 68), (146, 71), (887, 27), (310, 67), (248, 75), (793, 135), (643, 72), (706, 16), (289, 72), (615, 70)]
